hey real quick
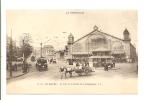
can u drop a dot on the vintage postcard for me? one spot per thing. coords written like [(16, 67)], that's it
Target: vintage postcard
[(72, 51)]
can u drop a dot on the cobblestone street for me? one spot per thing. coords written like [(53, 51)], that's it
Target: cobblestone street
[(36, 82)]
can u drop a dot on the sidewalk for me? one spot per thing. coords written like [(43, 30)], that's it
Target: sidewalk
[(15, 74)]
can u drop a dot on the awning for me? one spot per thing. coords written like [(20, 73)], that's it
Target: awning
[(100, 49), (68, 57), (81, 53), (101, 57), (118, 52)]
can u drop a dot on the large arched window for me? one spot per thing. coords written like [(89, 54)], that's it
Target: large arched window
[(97, 41)]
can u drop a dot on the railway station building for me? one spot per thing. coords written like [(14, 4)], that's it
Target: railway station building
[(98, 46)]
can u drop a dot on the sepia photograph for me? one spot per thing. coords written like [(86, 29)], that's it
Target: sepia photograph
[(69, 51)]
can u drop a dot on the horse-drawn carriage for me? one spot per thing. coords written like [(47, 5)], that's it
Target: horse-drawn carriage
[(83, 70), (80, 70), (108, 65), (41, 64)]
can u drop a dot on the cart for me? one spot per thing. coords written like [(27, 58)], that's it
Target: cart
[(84, 70)]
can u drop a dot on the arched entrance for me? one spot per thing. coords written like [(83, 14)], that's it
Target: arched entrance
[(98, 46)]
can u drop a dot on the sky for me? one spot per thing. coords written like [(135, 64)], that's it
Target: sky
[(52, 27)]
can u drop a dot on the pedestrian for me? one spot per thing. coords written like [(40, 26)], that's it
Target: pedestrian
[(113, 63), (77, 63), (105, 66), (26, 68)]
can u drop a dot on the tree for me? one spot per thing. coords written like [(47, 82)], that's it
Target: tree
[(26, 45), (13, 49), (26, 50)]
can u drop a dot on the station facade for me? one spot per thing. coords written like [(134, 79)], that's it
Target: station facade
[(98, 46)]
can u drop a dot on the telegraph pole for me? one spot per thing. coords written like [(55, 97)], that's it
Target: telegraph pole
[(11, 54), (41, 48), (23, 55)]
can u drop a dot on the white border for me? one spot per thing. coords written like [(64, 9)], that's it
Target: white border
[(74, 4)]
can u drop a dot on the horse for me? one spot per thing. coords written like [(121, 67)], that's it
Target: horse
[(64, 70), (51, 60)]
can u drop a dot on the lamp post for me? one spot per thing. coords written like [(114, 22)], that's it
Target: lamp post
[(41, 44)]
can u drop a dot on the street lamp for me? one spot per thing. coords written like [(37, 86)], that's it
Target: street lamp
[(42, 44)]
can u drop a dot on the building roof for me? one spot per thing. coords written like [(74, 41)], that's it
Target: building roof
[(97, 31), (70, 35), (48, 46), (126, 31)]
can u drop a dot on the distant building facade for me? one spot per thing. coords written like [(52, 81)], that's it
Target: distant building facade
[(60, 55), (99, 46), (48, 51)]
